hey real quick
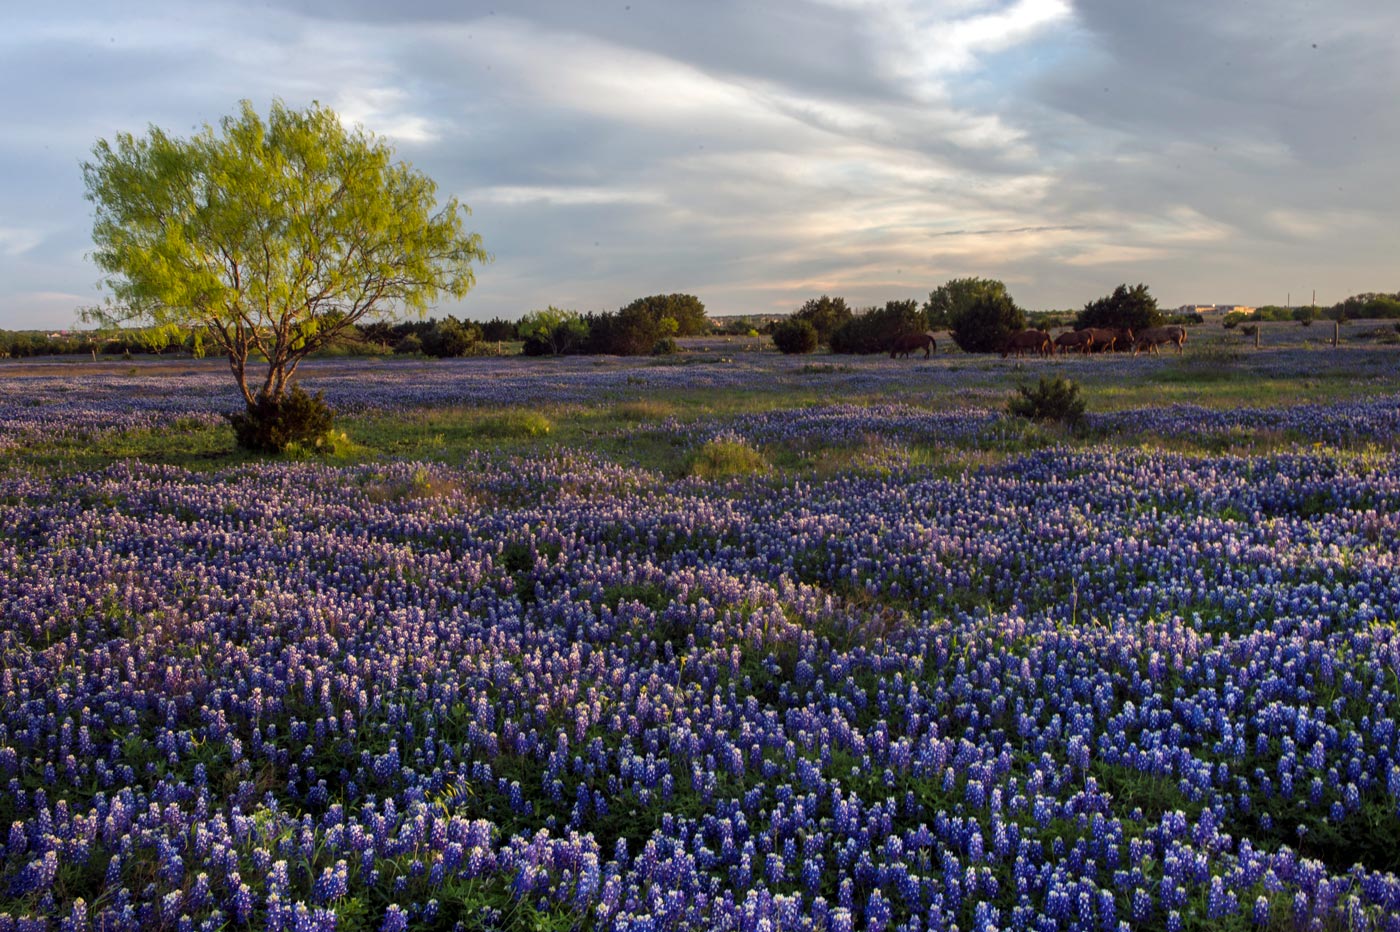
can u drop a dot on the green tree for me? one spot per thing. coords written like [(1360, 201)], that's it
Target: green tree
[(1133, 308), (273, 236), (825, 314), (552, 331), (795, 335), (951, 299), (449, 338), (159, 338), (630, 331), (686, 309), (876, 329), (983, 323)]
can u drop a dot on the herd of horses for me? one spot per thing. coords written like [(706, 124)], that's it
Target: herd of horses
[(1040, 343)]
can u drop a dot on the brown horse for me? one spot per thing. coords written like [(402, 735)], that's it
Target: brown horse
[(1082, 340), (1106, 339), (1021, 341), (1153, 337), (906, 343)]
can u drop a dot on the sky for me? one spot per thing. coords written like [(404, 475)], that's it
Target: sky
[(758, 153)]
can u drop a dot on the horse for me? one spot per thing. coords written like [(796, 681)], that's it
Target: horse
[(1106, 339), (1082, 340), (1037, 341), (906, 343), (1153, 337)]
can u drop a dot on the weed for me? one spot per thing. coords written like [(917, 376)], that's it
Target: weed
[(725, 457), (514, 425)]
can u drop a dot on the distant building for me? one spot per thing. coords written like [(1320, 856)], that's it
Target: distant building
[(1215, 310)]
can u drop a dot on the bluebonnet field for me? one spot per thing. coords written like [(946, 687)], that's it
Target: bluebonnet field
[(1095, 685)]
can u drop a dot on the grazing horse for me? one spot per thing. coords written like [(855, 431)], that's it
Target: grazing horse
[(1036, 341), (906, 343), (1082, 340), (1153, 337), (1106, 339)]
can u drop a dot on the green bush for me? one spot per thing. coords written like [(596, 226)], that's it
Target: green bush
[(725, 457), (666, 346), (794, 336), (409, 344), (271, 425), (1052, 400), (983, 325)]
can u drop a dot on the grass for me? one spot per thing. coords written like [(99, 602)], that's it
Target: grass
[(1215, 374), (727, 459)]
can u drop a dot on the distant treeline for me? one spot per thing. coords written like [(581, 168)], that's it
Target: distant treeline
[(647, 325)]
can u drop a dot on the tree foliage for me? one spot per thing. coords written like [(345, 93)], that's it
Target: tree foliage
[(795, 335), (950, 300), (826, 315), (449, 338), (272, 236), (1132, 308), (876, 329), (685, 309), (552, 331), (983, 323), (1367, 305)]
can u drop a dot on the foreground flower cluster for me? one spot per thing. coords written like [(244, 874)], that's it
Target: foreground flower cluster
[(1078, 691)]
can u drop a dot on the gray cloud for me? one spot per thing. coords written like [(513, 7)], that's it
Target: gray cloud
[(759, 154)]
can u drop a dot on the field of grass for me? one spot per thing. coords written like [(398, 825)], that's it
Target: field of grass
[(724, 640)]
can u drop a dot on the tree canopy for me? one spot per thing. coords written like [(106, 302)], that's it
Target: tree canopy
[(982, 324), (875, 329), (552, 331), (825, 314), (951, 299), (685, 309), (1133, 308), (274, 236)]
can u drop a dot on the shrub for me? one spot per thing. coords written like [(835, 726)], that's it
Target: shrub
[(983, 325), (727, 456), (666, 346), (794, 336), (1052, 400), (409, 344), (270, 425)]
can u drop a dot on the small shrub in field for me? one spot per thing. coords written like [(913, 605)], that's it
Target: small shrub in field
[(666, 346), (270, 425), (644, 410), (724, 457), (795, 335), (1052, 400), (514, 424)]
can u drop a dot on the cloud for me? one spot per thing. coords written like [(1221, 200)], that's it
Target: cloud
[(15, 241), (756, 153)]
